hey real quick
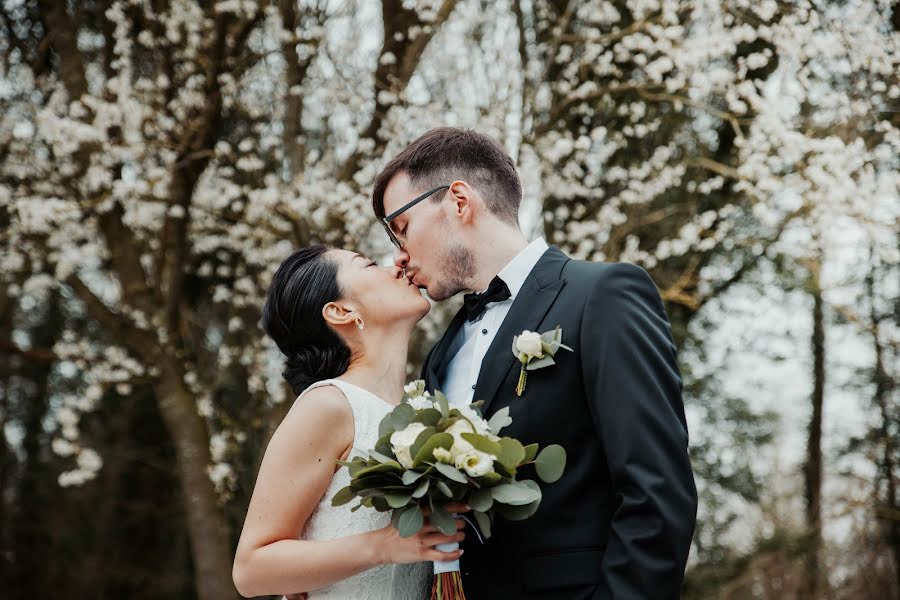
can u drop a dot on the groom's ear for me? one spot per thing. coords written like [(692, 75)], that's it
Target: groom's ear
[(464, 200), (337, 314)]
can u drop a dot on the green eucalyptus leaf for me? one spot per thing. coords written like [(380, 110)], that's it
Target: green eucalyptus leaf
[(443, 520), (382, 491), (481, 499), (512, 453), (443, 488), (343, 496), (380, 457), (410, 477), (531, 451), (421, 439), (386, 426), (523, 511), (490, 479), (381, 468), (499, 420), (402, 416), (410, 521), (443, 404), (383, 445), (398, 500), (451, 472), (479, 442), (540, 363), (430, 417), (516, 494), (484, 523), (422, 488), (551, 463), (357, 465), (426, 452), (503, 470)]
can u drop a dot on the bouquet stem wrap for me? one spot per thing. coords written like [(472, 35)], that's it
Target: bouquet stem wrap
[(447, 583), (447, 567)]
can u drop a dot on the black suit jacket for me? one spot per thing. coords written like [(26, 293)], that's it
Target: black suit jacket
[(619, 522)]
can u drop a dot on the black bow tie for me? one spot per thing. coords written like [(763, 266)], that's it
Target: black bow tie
[(476, 304)]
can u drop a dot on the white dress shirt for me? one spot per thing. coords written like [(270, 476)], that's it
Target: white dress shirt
[(464, 367)]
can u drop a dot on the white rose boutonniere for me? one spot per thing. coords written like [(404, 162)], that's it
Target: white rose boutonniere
[(536, 351)]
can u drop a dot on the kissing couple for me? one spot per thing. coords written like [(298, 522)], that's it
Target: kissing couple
[(617, 524)]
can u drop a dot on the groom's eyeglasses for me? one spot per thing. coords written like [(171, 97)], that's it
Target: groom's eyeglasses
[(386, 221)]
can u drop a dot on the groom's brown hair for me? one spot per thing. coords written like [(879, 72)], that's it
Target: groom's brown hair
[(446, 154)]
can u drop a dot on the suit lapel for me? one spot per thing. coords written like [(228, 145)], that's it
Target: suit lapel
[(531, 304), (436, 364)]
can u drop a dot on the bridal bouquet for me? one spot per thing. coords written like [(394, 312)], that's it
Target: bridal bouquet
[(430, 455)]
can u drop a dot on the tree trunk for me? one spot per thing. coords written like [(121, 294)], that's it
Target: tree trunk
[(7, 457), (813, 468), (210, 546), (884, 388), (29, 529)]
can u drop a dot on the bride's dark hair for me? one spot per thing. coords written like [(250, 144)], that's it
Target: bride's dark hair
[(292, 316)]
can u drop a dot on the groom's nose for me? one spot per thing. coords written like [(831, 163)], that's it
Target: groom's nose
[(401, 258)]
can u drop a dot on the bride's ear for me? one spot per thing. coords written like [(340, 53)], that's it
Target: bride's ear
[(337, 314)]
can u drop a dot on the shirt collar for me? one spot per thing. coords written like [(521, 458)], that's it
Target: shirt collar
[(516, 271)]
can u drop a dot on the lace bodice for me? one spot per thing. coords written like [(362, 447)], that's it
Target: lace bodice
[(395, 582)]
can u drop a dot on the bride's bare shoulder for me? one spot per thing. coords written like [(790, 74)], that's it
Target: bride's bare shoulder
[(320, 412)]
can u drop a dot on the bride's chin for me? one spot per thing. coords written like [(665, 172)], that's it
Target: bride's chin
[(425, 308)]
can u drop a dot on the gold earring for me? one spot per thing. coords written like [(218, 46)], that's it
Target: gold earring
[(359, 322)]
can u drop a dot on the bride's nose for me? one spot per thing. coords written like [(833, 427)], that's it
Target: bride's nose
[(397, 272)]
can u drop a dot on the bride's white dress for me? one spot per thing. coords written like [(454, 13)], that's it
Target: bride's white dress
[(396, 582)]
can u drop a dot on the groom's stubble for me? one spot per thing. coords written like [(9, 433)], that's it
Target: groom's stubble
[(458, 266)]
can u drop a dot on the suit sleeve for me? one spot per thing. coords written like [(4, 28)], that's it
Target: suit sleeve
[(633, 387)]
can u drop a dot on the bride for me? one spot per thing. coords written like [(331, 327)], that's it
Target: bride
[(344, 325)]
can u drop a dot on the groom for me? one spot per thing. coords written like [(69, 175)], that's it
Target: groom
[(618, 524)]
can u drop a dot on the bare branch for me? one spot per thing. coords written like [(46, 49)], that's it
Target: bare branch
[(44, 355), (393, 76), (138, 342), (62, 35)]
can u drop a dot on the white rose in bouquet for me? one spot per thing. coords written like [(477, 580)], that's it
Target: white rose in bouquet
[(402, 441), (475, 463), (529, 343), (460, 446)]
